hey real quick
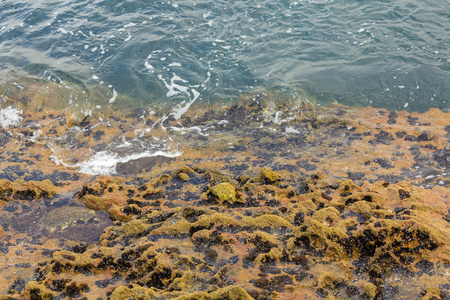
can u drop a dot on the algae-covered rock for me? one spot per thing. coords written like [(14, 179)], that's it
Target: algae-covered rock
[(325, 280), (231, 293), (183, 176), (185, 170), (30, 190), (328, 214), (195, 296), (225, 192), (267, 176), (370, 290), (272, 256), (185, 282), (179, 225), (124, 293), (226, 293), (63, 217), (162, 179), (212, 231), (266, 221), (134, 228), (35, 290), (430, 293)]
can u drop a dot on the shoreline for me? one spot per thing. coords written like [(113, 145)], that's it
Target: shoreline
[(266, 200)]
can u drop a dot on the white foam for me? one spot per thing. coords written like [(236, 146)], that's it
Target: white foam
[(113, 98), (278, 120), (104, 162), (174, 88), (186, 129), (179, 110), (148, 66), (292, 130), (129, 25), (10, 116), (87, 113), (62, 30)]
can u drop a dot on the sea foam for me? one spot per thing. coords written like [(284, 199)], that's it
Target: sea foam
[(10, 116)]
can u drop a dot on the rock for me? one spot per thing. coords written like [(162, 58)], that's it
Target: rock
[(140, 165), (228, 219), (231, 293), (75, 223), (183, 176), (224, 192), (430, 293), (325, 280), (29, 191), (35, 290), (370, 290), (134, 228), (267, 176), (124, 293)]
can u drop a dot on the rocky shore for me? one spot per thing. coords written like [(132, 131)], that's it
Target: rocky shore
[(266, 200)]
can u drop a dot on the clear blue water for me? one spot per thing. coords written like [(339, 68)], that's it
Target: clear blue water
[(391, 54)]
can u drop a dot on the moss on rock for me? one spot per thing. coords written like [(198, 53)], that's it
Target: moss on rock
[(225, 192), (370, 290), (124, 293), (267, 176)]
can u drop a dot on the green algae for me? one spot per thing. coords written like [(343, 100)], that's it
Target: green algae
[(227, 293), (370, 290), (327, 214), (362, 207), (272, 256), (225, 192), (261, 236), (183, 176), (266, 221), (35, 289), (124, 293), (325, 280), (267, 176), (180, 225), (134, 228)]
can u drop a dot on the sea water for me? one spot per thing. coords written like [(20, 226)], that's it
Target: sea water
[(389, 54), (172, 54)]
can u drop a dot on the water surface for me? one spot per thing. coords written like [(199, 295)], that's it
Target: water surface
[(391, 54)]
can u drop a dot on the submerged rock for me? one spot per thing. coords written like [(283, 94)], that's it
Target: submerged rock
[(140, 165)]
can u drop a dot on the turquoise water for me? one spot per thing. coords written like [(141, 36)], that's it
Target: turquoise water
[(390, 54)]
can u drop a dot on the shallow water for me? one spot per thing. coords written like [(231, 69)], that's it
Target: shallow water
[(393, 54), (170, 59), (168, 116)]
